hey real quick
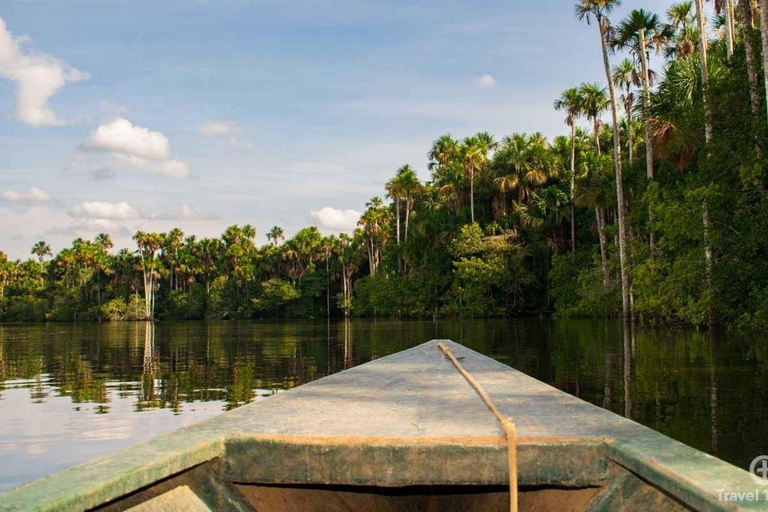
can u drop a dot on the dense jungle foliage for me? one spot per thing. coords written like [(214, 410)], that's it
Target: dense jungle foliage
[(664, 218)]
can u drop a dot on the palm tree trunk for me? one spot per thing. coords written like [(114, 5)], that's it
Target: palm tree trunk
[(764, 33), (619, 178), (646, 104), (603, 247), (596, 130), (708, 258), (745, 11), (700, 18), (729, 27), (573, 186), (472, 194), (407, 215), (397, 207), (630, 150)]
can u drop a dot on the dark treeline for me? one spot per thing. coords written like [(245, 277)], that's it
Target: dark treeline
[(658, 211)]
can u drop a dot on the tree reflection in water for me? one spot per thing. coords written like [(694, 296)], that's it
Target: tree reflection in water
[(707, 390)]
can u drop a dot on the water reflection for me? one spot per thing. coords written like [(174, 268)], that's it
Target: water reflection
[(71, 392)]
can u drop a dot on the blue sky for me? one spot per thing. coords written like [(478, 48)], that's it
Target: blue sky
[(201, 114)]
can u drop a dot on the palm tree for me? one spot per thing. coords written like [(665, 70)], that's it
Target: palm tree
[(640, 33), (473, 155), (594, 101), (149, 245), (522, 163), (570, 102), (275, 235), (41, 249), (681, 17), (173, 240), (446, 168), (411, 186), (600, 10), (394, 188)]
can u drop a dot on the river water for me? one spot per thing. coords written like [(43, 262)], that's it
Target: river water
[(69, 393)]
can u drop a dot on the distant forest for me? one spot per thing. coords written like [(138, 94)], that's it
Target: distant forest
[(657, 212)]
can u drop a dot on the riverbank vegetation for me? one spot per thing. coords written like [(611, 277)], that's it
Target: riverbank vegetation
[(658, 210)]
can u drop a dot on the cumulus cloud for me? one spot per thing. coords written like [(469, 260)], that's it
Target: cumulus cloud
[(333, 219), (135, 146), (105, 210), (122, 137), (487, 81), (38, 76), (35, 195), (218, 128)]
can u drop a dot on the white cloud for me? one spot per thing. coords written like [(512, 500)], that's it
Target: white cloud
[(333, 219), (122, 137), (135, 146), (38, 76), (35, 195), (104, 210), (487, 81), (218, 128)]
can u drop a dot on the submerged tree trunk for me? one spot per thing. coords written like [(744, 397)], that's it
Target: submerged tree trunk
[(745, 12), (573, 186), (619, 178)]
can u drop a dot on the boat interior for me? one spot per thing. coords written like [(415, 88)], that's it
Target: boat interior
[(256, 475)]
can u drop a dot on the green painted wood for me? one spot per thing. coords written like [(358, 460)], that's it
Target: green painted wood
[(409, 418)]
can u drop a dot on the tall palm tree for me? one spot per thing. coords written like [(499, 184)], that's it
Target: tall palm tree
[(599, 11), (411, 186), (446, 168), (682, 18), (41, 249), (570, 102), (275, 235), (522, 164), (473, 155), (594, 102), (640, 33), (394, 188)]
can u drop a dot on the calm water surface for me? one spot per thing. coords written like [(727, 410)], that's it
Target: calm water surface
[(69, 393)]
